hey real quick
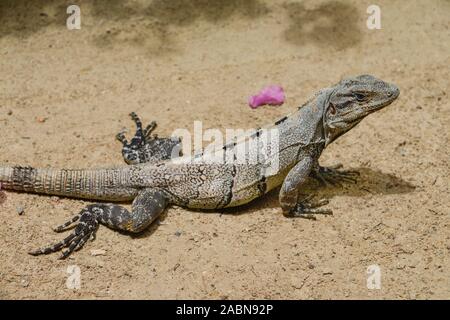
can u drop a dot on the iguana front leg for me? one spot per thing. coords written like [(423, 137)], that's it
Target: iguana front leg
[(289, 194), (144, 147), (146, 207)]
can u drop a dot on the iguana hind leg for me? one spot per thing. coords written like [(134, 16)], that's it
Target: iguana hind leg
[(289, 198), (144, 147), (146, 207)]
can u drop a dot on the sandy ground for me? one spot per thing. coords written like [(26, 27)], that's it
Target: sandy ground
[(65, 94)]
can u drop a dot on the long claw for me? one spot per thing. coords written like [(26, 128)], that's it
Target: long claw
[(319, 211), (82, 242), (317, 204), (136, 120), (67, 224), (56, 247), (121, 137), (309, 213), (71, 248), (149, 129), (307, 209)]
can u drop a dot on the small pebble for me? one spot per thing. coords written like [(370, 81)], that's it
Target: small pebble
[(98, 252), (24, 283), (20, 210), (178, 233)]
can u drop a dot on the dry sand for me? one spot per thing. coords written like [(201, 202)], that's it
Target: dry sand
[(65, 94)]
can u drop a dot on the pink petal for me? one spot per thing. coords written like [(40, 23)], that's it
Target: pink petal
[(271, 95)]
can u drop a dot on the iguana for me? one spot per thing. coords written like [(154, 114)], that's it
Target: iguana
[(152, 180)]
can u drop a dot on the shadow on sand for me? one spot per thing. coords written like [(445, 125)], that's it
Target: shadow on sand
[(332, 24), (369, 182), (154, 25), (146, 24)]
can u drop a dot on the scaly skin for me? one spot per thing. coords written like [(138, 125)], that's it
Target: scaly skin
[(154, 179)]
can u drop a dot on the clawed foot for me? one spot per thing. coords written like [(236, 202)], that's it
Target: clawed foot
[(141, 134), (131, 149), (144, 147), (333, 176), (85, 229), (307, 209)]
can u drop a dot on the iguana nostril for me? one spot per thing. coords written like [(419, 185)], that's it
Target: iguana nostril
[(393, 92)]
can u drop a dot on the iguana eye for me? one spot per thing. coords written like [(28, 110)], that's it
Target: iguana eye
[(359, 96)]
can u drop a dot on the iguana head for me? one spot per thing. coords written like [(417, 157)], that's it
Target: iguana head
[(353, 99)]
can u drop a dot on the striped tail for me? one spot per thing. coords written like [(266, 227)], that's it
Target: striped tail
[(100, 184)]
